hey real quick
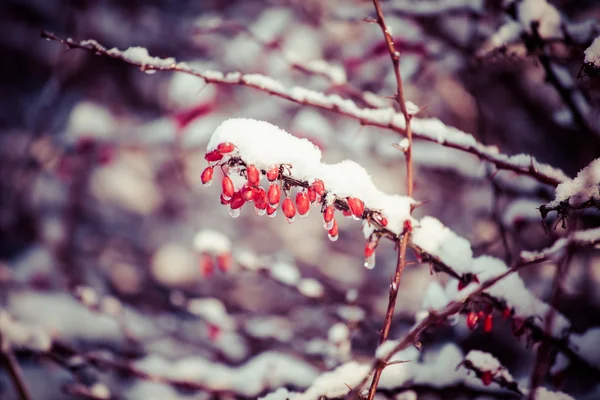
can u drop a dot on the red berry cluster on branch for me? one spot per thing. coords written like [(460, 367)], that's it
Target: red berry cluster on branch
[(281, 182)]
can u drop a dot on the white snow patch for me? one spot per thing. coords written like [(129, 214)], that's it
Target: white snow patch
[(211, 241), (583, 187), (311, 288), (265, 371), (438, 240), (285, 273), (586, 345), (592, 53)]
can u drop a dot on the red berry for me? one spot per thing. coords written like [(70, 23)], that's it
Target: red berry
[(271, 211), (312, 195), (346, 213), (224, 200), (461, 285), (302, 203), (381, 219), (206, 265), (288, 209), (248, 193), (506, 312), (408, 226), (213, 332), (370, 248), (328, 214), (487, 378), (319, 187), (253, 175), (488, 324), (227, 185), (226, 147), (333, 232), (260, 198), (472, 319), (273, 173), (274, 194), (206, 176), (237, 201), (213, 156), (357, 207), (224, 261)]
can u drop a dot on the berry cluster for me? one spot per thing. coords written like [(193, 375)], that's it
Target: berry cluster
[(208, 262), (487, 316), (281, 182)]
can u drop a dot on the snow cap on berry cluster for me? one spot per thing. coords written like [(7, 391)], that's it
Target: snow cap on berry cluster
[(264, 145)]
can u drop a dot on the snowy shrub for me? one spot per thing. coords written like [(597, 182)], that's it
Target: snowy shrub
[(447, 149)]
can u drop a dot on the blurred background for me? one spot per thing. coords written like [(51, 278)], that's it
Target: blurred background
[(111, 248)]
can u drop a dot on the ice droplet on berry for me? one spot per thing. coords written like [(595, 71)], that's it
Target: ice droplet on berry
[(234, 212), (370, 262)]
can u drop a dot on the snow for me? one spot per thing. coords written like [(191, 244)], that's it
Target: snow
[(89, 119), (66, 318), (174, 265), (543, 13), (266, 371), (583, 187), (272, 23), (285, 273), (427, 8), (561, 362), (431, 155), (335, 73), (310, 287), (263, 82), (100, 391), (542, 393), (592, 53), (521, 210), (438, 240), (483, 361), (385, 348), (435, 297), (15, 334), (339, 332), (351, 313), (139, 55), (263, 144), (586, 345), (213, 311), (507, 33), (267, 327), (211, 241), (335, 383)]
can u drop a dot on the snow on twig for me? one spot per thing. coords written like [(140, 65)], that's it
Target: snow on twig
[(429, 129), (578, 193)]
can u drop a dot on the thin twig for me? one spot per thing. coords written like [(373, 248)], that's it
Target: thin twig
[(334, 103), (14, 371), (401, 263), (540, 367)]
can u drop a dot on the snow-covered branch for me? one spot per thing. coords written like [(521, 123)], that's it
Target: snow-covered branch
[(576, 194), (429, 129)]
